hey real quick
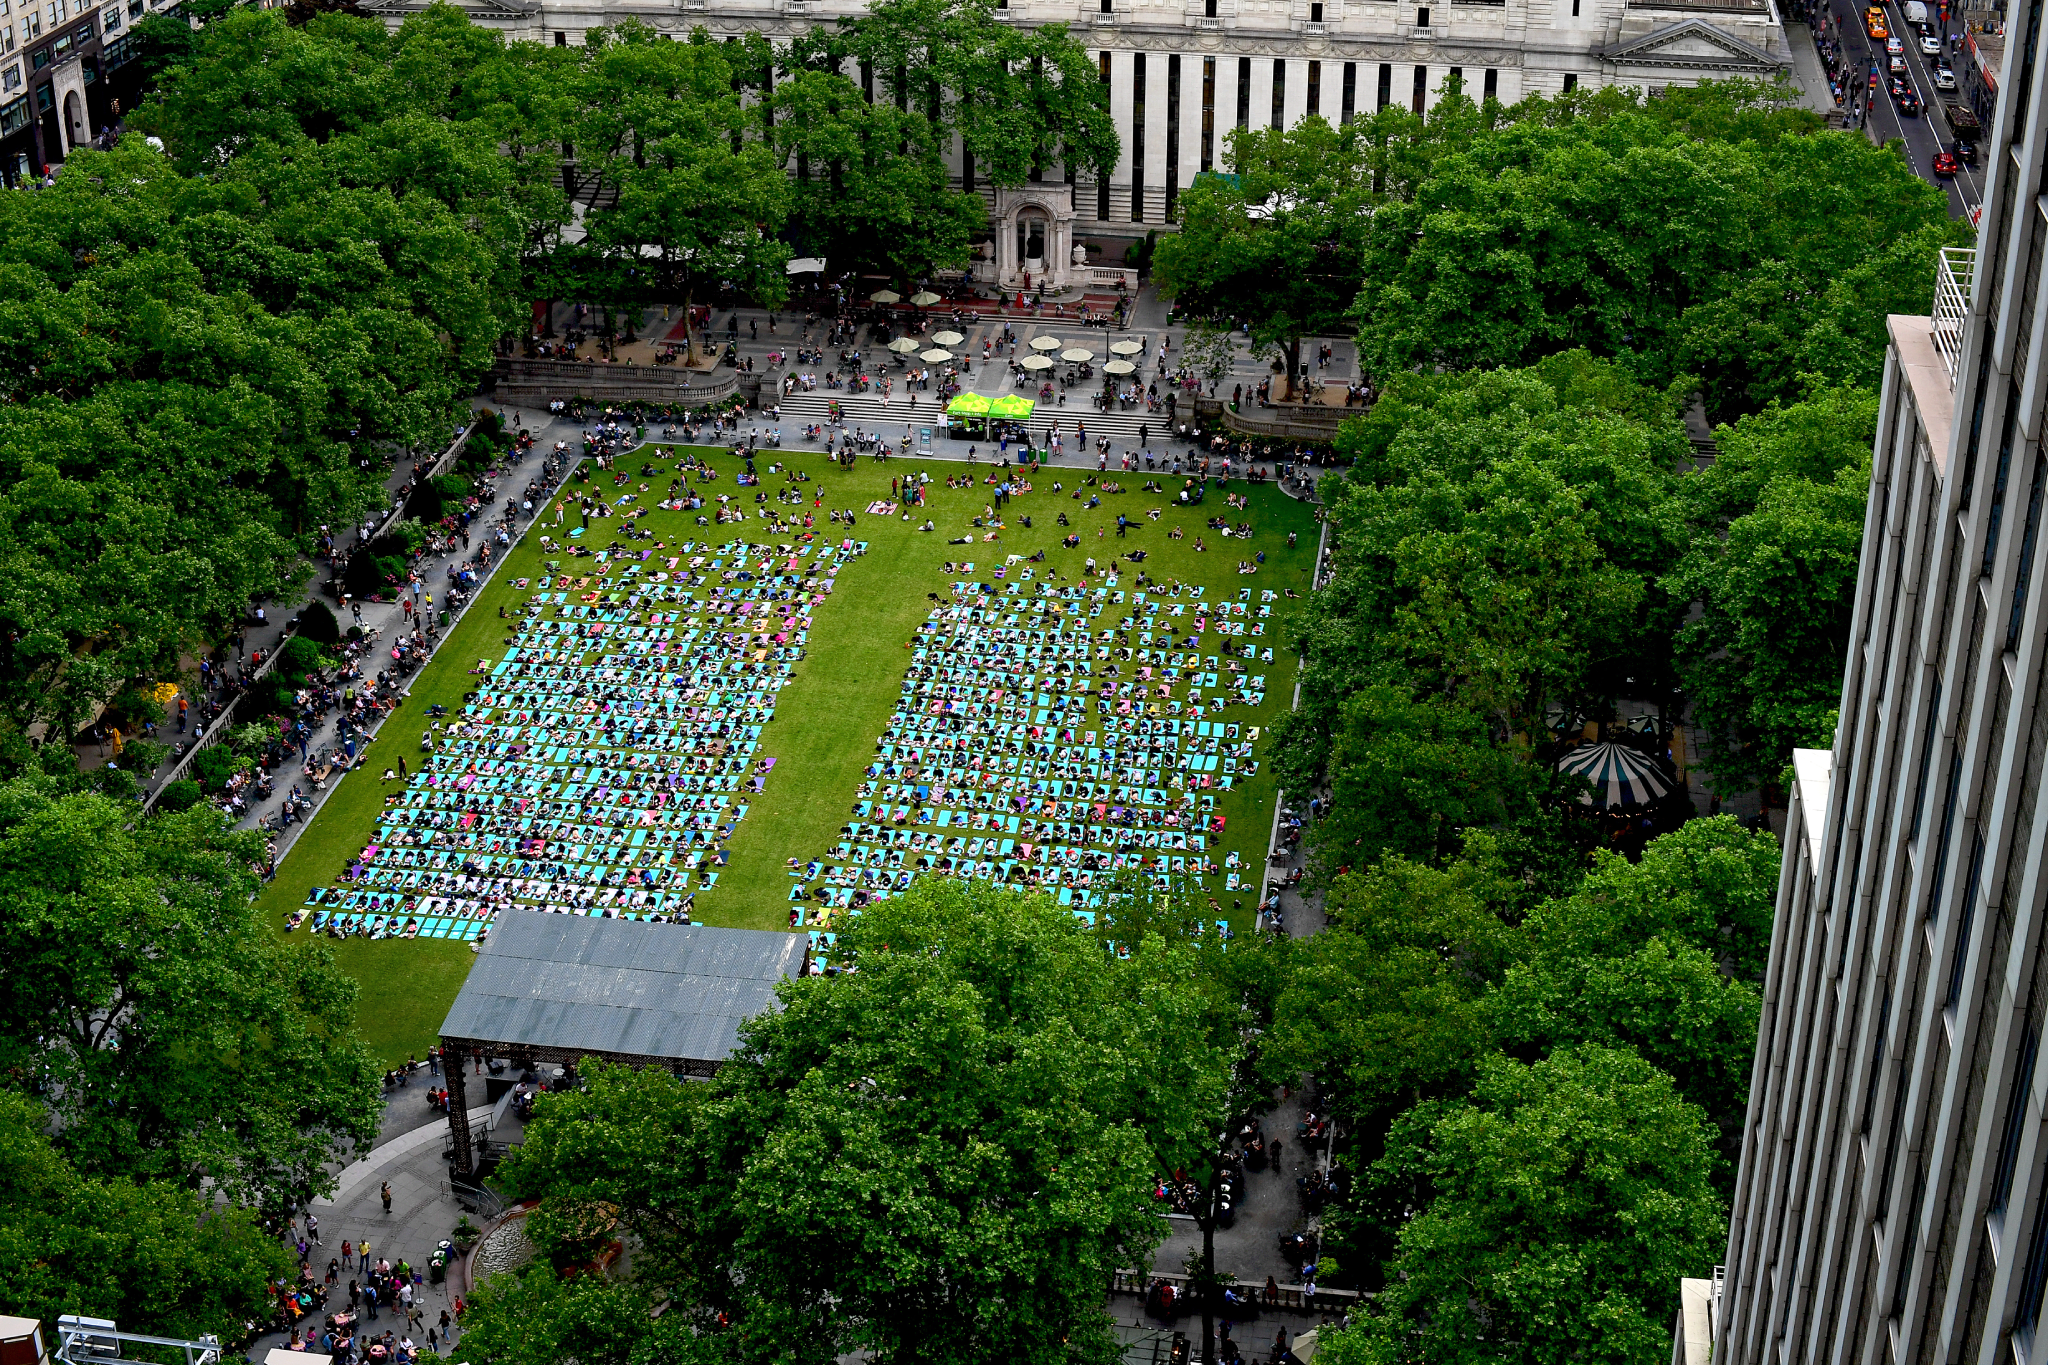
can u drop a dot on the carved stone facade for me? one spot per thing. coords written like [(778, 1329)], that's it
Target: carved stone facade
[(1182, 73)]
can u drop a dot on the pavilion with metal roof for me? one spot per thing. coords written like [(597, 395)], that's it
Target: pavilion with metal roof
[(555, 989)]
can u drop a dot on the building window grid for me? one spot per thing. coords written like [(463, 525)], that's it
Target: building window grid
[(1350, 96), (1386, 93), (2015, 1123), (1969, 908), (1172, 134), (1492, 83), (1244, 92), (1420, 95), (1279, 92), (1995, 514), (2028, 537), (1948, 823), (1208, 113), (1137, 137), (1315, 88), (1102, 173), (1926, 760)]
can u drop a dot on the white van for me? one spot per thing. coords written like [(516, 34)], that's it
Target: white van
[(1916, 12)]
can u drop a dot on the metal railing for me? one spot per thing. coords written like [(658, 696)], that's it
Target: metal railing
[(87, 1341), (1953, 275), (1291, 1296)]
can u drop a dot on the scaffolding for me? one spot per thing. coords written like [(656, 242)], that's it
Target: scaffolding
[(87, 1341)]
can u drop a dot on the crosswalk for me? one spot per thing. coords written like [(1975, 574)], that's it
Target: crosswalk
[(1127, 431)]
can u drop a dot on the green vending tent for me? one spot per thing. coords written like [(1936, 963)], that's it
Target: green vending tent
[(1012, 407), (968, 405)]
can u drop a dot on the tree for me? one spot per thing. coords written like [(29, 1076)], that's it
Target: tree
[(1777, 533), (1277, 242), (148, 1254), (1710, 885), (873, 180), (1708, 233), (1390, 998), (1210, 352), (1408, 776), (212, 348), (941, 1154), (172, 1035), (1669, 1002), (871, 159), (1498, 542), (1559, 1207), (1661, 956), (686, 198)]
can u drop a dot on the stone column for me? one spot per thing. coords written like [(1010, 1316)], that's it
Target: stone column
[(458, 1111)]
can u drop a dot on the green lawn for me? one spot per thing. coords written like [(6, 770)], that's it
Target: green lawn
[(828, 719)]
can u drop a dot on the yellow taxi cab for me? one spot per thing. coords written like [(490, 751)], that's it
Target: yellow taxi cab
[(1873, 22)]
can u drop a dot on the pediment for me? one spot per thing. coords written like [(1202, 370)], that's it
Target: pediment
[(1692, 44)]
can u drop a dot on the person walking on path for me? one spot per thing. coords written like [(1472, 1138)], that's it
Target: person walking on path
[(387, 1197), (363, 1248)]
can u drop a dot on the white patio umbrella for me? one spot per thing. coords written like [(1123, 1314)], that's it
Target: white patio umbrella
[(1129, 348), (924, 298), (1045, 343), (1036, 362), (904, 345), (1620, 776), (805, 265), (885, 296), (935, 355), (1119, 367), (1077, 354), (948, 338)]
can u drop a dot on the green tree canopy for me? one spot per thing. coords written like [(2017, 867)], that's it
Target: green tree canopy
[(1662, 956), (1560, 1204), (1776, 540), (939, 1155), (172, 1035), (1390, 998), (688, 195), (1498, 545), (146, 1253), (1705, 239), (867, 111), (208, 350)]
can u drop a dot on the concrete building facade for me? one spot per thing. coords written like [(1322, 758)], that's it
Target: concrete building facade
[(1181, 73), (1892, 1201)]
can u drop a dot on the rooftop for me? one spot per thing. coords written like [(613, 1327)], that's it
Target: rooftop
[(620, 987)]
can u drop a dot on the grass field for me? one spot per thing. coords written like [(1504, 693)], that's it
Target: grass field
[(827, 720)]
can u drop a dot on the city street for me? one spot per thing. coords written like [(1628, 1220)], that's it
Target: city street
[(1925, 133)]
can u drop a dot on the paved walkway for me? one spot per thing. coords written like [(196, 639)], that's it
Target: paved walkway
[(1807, 72), (387, 621)]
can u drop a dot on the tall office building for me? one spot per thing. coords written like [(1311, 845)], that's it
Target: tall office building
[(1892, 1203)]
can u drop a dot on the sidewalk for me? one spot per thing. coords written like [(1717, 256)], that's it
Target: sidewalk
[(389, 619), (1807, 72)]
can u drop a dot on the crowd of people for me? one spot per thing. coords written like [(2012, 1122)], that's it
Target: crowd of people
[(607, 757)]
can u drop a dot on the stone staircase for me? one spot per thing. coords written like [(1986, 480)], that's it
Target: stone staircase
[(866, 412)]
